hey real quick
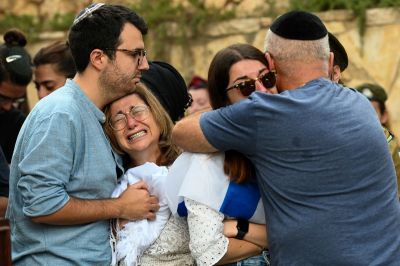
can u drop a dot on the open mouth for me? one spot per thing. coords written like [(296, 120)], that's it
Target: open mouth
[(137, 135)]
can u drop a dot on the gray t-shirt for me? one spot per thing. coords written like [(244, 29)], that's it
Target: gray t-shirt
[(61, 152), (324, 170)]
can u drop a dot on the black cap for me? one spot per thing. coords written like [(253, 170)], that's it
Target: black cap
[(168, 85), (340, 55), (299, 25), (373, 92)]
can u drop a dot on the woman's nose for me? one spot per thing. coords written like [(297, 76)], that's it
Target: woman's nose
[(131, 122)]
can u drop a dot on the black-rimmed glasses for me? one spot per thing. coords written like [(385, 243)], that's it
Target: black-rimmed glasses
[(137, 54), (120, 120), (248, 86)]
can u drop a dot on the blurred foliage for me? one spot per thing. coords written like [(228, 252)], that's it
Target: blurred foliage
[(32, 26), (359, 7), (178, 22)]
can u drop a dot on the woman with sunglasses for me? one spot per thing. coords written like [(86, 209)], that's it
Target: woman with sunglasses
[(218, 192)]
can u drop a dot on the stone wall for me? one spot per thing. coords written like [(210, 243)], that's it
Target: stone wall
[(375, 59)]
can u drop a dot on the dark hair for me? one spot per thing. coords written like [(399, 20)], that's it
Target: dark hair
[(58, 54), (236, 165), (17, 71), (218, 73), (100, 29)]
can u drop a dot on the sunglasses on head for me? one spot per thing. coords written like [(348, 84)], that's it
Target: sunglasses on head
[(248, 86)]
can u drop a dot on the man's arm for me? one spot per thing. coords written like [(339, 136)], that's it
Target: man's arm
[(188, 135), (134, 204)]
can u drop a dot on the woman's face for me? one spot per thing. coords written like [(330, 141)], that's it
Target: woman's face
[(201, 100), (140, 136), (47, 79), (244, 70)]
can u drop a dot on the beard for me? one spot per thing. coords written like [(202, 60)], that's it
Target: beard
[(115, 84)]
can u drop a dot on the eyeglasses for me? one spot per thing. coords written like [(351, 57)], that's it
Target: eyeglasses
[(120, 120), (248, 86), (87, 12), (137, 54), (16, 102)]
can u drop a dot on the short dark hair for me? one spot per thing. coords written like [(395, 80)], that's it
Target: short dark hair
[(58, 54), (218, 73), (101, 29)]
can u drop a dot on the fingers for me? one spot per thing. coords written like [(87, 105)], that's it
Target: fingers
[(140, 185)]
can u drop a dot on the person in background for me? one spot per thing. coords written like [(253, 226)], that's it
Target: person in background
[(53, 65), (4, 173), (201, 99), (377, 96), (321, 159), (168, 85), (340, 59), (227, 223), (63, 169), (15, 75)]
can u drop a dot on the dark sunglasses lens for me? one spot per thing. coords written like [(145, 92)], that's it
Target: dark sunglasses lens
[(269, 80), (247, 87)]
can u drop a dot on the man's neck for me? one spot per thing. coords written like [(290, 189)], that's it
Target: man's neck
[(88, 83), (304, 73)]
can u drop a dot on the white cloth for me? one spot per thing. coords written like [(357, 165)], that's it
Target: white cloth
[(201, 177), (136, 236)]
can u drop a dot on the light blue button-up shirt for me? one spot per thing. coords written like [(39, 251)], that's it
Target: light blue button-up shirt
[(61, 152)]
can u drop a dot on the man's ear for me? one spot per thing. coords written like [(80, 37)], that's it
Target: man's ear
[(271, 63), (330, 64), (98, 59)]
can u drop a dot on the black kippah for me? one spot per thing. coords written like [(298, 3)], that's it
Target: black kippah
[(340, 56), (299, 25), (168, 85)]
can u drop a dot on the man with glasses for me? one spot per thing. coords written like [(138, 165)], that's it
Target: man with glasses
[(322, 162), (63, 169)]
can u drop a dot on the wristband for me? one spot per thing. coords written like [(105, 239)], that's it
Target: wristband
[(242, 228)]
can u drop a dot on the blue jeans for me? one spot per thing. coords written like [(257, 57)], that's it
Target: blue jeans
[(260, 260)]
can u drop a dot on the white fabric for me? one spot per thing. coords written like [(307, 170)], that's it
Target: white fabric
[(136, 236), (208, 244), (201, 177)]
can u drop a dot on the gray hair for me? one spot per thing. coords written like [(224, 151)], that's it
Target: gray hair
[(284, 49)]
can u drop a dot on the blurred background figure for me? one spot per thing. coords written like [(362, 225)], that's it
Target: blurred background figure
[(340, 59), (15, 75), (377, 96), (53, 64), (198, 89)]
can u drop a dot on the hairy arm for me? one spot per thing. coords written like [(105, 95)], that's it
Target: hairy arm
[(135, 203), (188, 135)]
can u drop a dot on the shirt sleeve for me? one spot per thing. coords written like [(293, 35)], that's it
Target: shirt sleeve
[(46, 165), (207, 241), (232, 128)]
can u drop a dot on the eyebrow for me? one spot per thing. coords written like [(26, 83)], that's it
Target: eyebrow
[(247, 77)]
